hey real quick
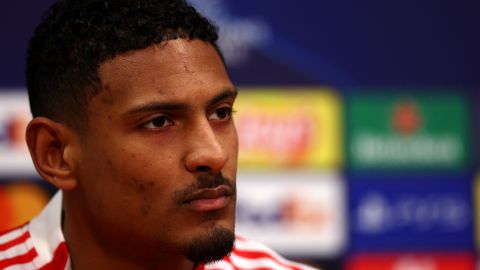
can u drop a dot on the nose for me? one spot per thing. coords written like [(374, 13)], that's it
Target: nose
[(205, 152)]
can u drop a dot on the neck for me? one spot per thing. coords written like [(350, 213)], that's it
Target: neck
[(87, 251)]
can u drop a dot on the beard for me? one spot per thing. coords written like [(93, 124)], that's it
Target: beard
[(217, 242), (213, 246)]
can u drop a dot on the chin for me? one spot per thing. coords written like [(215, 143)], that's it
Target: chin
[(211, 245)]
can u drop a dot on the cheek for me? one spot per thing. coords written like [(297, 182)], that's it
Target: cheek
[(144, 177), (116, 178), (145, 191)]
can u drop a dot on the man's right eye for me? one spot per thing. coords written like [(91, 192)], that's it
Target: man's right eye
[(158, 122)]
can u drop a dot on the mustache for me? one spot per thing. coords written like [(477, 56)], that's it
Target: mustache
[(204, 181)]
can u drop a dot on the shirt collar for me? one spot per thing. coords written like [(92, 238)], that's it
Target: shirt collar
[(46, 230)]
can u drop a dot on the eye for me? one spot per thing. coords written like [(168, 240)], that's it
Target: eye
[(222, 113), (158, 122)]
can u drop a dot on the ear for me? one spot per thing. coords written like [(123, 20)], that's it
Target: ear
[(51, 147)]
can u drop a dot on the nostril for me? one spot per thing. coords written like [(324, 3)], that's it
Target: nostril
[(204, 169)]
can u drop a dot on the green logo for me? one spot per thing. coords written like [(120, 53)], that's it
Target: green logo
[(395, 131)]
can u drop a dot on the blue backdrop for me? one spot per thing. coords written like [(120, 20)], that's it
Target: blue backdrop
[(347, 45), (341, 43)]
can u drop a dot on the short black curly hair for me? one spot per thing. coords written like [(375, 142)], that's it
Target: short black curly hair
[(76, 36)]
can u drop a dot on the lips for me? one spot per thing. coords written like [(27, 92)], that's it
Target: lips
[(209, 199)]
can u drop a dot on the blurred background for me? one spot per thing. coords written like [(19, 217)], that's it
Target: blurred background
[(357, 123)]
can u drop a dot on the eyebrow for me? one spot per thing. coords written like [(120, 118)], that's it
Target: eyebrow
[(225, 94), (171, 106)]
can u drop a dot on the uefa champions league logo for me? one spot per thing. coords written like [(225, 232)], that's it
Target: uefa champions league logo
[(238, 36)]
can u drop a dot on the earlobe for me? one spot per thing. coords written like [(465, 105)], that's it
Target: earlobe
[(50, 147)]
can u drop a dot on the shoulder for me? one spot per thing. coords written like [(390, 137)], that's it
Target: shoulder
[(248, 254), (20, 250), (16, 248)]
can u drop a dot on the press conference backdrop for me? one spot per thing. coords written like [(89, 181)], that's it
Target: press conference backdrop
[(357, 123)]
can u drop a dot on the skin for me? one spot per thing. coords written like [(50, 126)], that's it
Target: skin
[(160, 122)]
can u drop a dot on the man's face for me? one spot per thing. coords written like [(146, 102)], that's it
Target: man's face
[(157, 169)]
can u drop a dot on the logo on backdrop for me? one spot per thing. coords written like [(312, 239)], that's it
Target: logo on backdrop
[(390, 131), (14, 118), (289, 127), (307, 210), (411, 213), (377, 214), (406, 118), (290, 135), (12, 132), (238, 36)]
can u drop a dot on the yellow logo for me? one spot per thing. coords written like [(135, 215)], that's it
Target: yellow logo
[(289, 127)]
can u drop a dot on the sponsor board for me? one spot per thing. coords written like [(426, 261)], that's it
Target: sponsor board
[(297, 213), (477, 210), (412, 261), (289, 127), (401, 131), (14, 118), (419, 213), (20, 201)]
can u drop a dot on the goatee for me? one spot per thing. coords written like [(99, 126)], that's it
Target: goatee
[(213, 246)]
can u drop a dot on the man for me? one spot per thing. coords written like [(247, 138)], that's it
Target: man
[(132, 111)]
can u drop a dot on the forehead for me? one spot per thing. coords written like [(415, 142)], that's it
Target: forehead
[(174, 68)]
